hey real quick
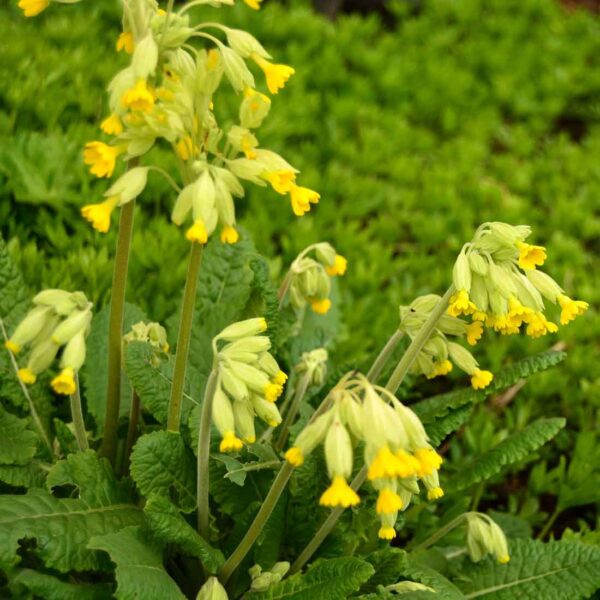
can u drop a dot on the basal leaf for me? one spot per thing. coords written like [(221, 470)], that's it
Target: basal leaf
[(17, 442), (49, 587)]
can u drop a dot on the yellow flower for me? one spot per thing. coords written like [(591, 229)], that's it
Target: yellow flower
[(248, 145), (302, 198), (340, 264), (443, 367), (538, 325), (273, 391), (503, 559), (280, 378), (435, 493), (197, 232), (14, 348), (255, 4), (570, 308), (478, 315), (321, 307), (474, 332), (32, 8), (388, 502), (281, 181), (112, 125), (64, 382), (481, 379), (387, 533), (386, 464), (139, 97), (101, 158), (339, 493), (460, 304), (276, 75), (531, 256), (27, 376), (99, 214), (229, 235), (125, 42), (230, 443), (185, 148), (294, 456), (429, 461)]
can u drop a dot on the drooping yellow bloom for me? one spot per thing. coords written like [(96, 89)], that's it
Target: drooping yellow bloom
[(570, 308), (99, 214), (478, 315), (294, 456), (481, 379), (14, 348), (276, 75), (321, 307), (32, 8), (280, 378), (460, 304), (386, 464), (139, 97), (435, 493), (408, 464), (281, 181), (531, 256), (339, 493), (386, 533), (474, 332), (197, 232), (538, 325), (255, 4), (230, 443), (101, 158), (429, 461), (64, 382), (443, 367), (229, 235), (27, 376), (339, 266), (273, 391), (388, 502), (302, 198), (112, 125), (125, 42)]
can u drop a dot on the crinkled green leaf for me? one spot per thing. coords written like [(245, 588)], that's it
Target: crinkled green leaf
[(162, 464), (29, 475), (17, 442), (49, 587), (441, 427), (388, 564), (140, 571)]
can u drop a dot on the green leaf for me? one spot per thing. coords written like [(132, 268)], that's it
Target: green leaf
[(94, 373), (17, 442), (441, 427), (170, 527), (27, 476), (444, 588), (553, 571), (161, 463), (151, 376), (140, 572), (510, 451), (388, 564), (333, 579), (49, 587), (439, 406)]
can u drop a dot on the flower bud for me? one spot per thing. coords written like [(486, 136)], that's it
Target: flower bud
[(236, 388), (212, 590), (72, 325), (29, 327), (478, 264), (254, 343), (41, 356), (52, 297), (244, 44), (145, 57), (254, 108), (313, 434), (338, 450), (222, 412), (266, 411), (243, 414), (544, 284), (462, 358), (325, 253), (242, 329), (130, 185), (461, 273), (254, 378), (425, 303), (236, 71)]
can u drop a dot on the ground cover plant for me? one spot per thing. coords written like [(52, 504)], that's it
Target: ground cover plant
[(192, 459)]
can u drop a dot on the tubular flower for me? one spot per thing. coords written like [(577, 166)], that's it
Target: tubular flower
[(388, 502), (538, 325), (197, 232), (428, 460), (12, 346), (140, 97), (125, 42), (254, 4), (435, 493), (387, 533), (388, 465), (101, 158), (99, 214), (281, 181), (295, 457), (339, 266), (302, 198), (339, 493), (27, 376), (32, 8), (230, 443), (530, 256), (460, 304), (64, 382), (112, 125), (474, 332), (570, 308), (481, 379), (229, 235), (321, 307), (276, 75)]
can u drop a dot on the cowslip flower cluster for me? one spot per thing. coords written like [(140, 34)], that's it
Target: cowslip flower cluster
[(498, 283), (58, 320), (397, 452), (248, 383), (484, 536), (167, 92), (308, 280), (439, 354), (313, 366), (153, 334)]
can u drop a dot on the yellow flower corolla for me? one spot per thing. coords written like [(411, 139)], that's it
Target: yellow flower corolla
[(531, 256), (339, 493), (302, 198), (27, 376), (230, 443), (276, 75), (339, 266), (570, 308), (125, 42), (99, 214), (388, 502), (112, 125), (229, 235), (197, 232), (321, 307), (64, 382), (481, 379), (281, 181), (387, 533), (474, 332), (32, 8), (101, 158), (435, 493), (140, 97), (294, 456)]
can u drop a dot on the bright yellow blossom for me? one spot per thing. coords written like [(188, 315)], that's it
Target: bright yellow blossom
[(139, 97), (32, 8), (230, 443), (570, 308), (435, 493), (294, 456), (280, 378), (99, 214), (474, 332), (101, 158), (339, 266), (112, 125), (481, 379), (386, 533), (460, 304), (197, 232), (281, 181), (64, 382), (27, 376), (276, 75), (531, 256), (321, 307), (443, 367), (302, 198), (429, 461), (125, 42), (229, 235), (386, 464), (538, 325), (14, 348), (273, 391), (388, 502), (339, 493), (255, 4)]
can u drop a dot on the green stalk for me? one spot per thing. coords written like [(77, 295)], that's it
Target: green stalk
[(440, 533), (384, 355), (184, 337), (203, 473), (115, 331), (290, 416), (77, 416), (549, 523)]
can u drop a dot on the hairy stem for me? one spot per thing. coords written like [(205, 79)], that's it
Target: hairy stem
[(77, 416), (384, 355), (184, 337), (203, 474), (115, 331), (291, 414), (549, 523)]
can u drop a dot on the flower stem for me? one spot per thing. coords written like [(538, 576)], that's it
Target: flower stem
[(77, 416), (203, 473), (303, 384), (115, 331), (184, 337), (257, 525), (440, 533), (384, 355), (549, 523)]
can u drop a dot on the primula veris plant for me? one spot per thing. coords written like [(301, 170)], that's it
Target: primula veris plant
[(248, 427)]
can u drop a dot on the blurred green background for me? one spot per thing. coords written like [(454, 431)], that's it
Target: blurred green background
[(415, 126)]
